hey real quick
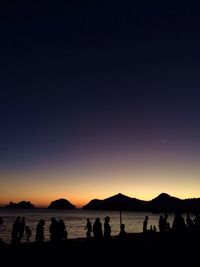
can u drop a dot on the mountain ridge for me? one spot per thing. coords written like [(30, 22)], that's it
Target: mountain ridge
[(162, 203)]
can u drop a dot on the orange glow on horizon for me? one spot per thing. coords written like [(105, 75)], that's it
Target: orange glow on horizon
[(81, 186), (80, 202)]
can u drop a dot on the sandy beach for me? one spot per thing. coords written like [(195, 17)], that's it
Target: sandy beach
[(150, 249)]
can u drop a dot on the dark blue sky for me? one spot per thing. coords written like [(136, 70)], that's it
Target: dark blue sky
[(93, 80)]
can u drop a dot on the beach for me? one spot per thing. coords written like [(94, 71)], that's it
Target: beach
[(149, 249)]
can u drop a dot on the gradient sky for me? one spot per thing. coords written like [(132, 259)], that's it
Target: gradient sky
[(97, 99)]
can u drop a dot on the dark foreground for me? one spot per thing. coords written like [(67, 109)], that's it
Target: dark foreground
[(152, 249)]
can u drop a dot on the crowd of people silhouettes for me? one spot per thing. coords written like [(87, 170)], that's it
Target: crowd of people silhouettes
[(179, 224), (58, 231)]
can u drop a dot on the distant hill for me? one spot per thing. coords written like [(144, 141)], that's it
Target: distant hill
[(162, 203), (117, 202), (61, 204), (20, 205), (165, 203)]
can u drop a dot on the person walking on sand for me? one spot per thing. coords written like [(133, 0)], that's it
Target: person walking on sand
[(88, 227)]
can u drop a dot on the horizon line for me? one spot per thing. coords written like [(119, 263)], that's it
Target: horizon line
[(40, 206)]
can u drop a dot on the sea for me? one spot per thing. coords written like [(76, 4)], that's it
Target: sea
[(75, 221)]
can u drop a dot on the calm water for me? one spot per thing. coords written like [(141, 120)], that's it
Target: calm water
[(75, 221)]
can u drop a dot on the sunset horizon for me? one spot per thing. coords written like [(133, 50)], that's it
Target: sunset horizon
[(100, 133), (41, 203), (91, 107)]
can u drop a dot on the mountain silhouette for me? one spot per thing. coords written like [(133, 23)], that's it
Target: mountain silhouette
[(162, 203), (61, 204), (20, 205), (166, 203), (117, 202)]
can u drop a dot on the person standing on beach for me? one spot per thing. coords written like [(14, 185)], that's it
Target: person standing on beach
[(97, 229), (107, 228), (62, 231), (40, 231), (15, 230), (145, 222), (21, 228), (179, 225), (88, 227), (53, 230), (122, 233)]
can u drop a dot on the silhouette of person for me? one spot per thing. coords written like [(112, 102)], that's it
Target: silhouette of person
[(179, 224), (122, 233), (40, 231), (97, 229), (53, 229), (28, 233), (107, 228), (88, 227), (15, 230), (145, 222), (165, 223), (21, 228), (62, 232)]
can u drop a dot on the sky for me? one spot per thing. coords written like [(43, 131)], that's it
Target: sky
[(98, 98)]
